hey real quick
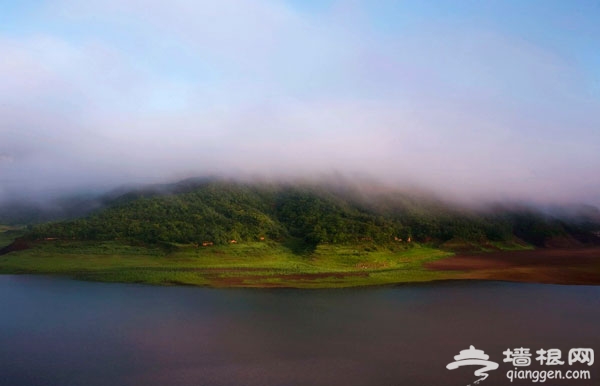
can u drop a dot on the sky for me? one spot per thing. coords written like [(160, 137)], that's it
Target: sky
[(472, 99)]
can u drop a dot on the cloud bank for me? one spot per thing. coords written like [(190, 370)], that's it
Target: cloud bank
[(97, 94)]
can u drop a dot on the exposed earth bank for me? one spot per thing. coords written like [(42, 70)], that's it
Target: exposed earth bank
[(552, 266)]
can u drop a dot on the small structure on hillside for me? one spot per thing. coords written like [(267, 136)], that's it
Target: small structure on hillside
[(207, 243)]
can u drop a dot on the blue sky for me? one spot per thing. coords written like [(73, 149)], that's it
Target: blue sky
[(492, 99)]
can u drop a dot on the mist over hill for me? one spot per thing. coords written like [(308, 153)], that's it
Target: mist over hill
[(484, 100), (219, 211)]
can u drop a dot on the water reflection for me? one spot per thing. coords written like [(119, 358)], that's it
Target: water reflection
[(61, 332)]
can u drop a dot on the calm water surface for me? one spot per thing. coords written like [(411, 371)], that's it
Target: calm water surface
[(56, 331)]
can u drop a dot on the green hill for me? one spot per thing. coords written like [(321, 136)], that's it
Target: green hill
[(218, 212), (224, 233)]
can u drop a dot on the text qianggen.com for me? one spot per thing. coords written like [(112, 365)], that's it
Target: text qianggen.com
[(543, 375)]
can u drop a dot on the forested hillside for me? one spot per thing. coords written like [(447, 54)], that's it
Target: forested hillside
[(219, 212)]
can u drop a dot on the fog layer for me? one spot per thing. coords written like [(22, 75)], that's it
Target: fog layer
[(485, 100)]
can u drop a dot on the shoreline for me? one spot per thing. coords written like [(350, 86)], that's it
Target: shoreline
[(263, 266)]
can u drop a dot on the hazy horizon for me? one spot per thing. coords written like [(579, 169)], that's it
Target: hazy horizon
[(472, 100)]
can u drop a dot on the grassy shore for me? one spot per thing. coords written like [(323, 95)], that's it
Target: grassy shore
[(292, 265), (9, 233), (258, 264)]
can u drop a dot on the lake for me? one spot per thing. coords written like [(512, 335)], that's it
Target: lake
[(56, 331)]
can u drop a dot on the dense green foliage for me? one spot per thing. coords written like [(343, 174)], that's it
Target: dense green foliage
[(219, 212), (212, 213), (321, 218)]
